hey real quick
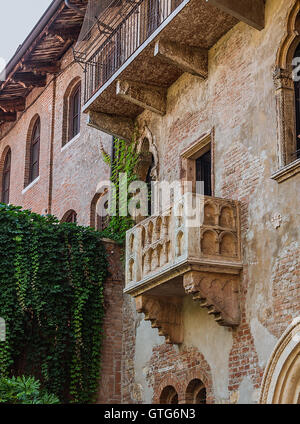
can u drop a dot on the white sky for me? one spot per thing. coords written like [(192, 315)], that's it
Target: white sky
[(17, 19)]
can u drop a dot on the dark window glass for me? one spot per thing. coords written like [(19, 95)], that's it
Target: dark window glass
[(35, 152), (6, 178), (203, 172), (75, 106)]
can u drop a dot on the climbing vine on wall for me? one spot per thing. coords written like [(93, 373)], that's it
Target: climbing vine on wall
[(51, 282), (123, 161)]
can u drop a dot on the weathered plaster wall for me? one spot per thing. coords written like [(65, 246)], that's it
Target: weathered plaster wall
[(238, 102)]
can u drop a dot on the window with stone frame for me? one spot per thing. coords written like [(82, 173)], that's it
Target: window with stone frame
[(6, 177), (198, 164), (34, 162), (74, 111), (287, 91), (70, 217)]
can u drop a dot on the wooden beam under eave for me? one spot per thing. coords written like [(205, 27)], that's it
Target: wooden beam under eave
[(115, 125), (17, 104), (8, 116), (148, 97), (189, 59), (29, 79), (42, 68), (252, 12)]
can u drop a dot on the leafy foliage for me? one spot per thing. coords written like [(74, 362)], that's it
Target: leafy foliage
[(124, 161), (24, 390), (51, 280)]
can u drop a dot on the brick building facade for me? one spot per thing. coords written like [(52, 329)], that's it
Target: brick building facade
[(202, 77)]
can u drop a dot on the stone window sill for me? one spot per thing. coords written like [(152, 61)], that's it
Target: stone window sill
[(287, 171), (68, 144), (30, 185)]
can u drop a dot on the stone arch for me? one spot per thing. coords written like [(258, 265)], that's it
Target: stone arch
[(228, 244), (168, 381), (29, 136), (281, 379), (209, 242), (66, 100), (94, 218), (291, 38), (145, 148), (210, 213), (227, 218), (195, 392), (169, 395), (69, 216), (285, 90)]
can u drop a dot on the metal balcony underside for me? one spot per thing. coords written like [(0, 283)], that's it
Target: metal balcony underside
[(192, 23)]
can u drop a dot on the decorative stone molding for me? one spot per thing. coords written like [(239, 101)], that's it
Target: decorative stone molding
[(281, 378), (165, 313), (287, 172), (145, 135), (218, 293), (167, 257)]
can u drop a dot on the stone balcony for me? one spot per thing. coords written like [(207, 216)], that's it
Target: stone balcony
[(154, 43), (166, 259)]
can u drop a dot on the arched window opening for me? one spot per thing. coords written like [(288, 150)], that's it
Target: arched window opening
[(74, 111), (35, 152), (196, 392), (70, 217), (6, 178), (296, 154), (169, 396)]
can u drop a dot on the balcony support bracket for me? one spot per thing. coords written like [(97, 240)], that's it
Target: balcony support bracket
[(252, 12), (189, 59), (149, 97), (218, 293), (118, 126), (165, 313)]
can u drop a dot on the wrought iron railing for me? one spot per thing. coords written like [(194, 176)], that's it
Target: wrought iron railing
[(137, 26)]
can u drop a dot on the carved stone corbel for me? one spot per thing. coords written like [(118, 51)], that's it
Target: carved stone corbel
[(218, 293), (165, 313)]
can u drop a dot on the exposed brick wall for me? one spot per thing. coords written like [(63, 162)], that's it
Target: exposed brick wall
[(111, 363), (286, 290), (170, 367)]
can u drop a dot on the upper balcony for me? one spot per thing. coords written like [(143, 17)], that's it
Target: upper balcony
[(167, 258), (146, 46)]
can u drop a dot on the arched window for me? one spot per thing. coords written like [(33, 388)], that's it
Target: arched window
[(70, 216), (195, 392), (296, 154), (6, 177), (169, 396), (74, 111), (34, 163)]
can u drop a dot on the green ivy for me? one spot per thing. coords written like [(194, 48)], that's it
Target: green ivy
[(125, 160), (51, 279)]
